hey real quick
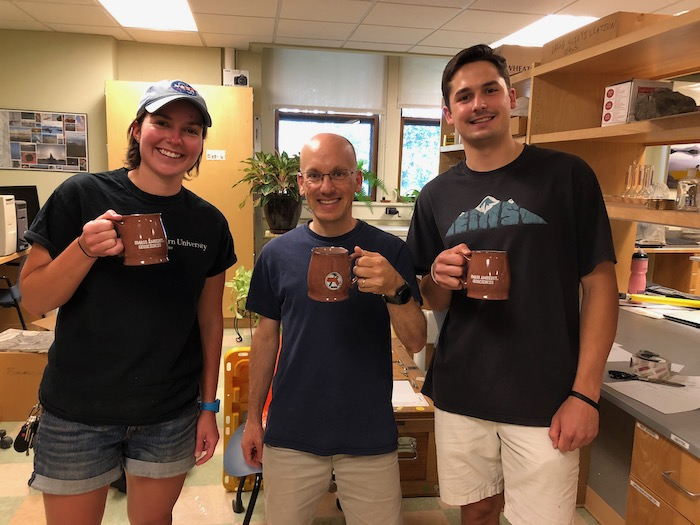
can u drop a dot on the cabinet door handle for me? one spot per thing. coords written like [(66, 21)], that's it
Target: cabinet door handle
[(408, 445), (667, 476)]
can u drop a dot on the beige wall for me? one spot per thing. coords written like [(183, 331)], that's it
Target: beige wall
[(66, 72), (56, 72)]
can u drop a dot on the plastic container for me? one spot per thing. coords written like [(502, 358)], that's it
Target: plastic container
[(688, 198), (638, 277)]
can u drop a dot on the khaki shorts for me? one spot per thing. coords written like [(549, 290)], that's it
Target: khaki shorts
[(369, 488), (477, 458)]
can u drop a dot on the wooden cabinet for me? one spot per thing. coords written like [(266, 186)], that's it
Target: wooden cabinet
[(566, 108), (664, 482)]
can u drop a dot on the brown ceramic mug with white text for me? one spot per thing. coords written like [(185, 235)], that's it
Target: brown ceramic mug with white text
[(329, 277), (144, 239), (487, 275)]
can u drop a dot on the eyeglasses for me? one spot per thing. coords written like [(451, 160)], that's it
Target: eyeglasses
[(314, 177)]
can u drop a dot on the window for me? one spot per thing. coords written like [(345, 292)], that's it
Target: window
[(295, 127), (420, 148)]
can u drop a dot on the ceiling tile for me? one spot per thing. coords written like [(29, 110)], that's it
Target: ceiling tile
[(179, 38), (396, 35), (264, 8), (116, 32), (458, 39), (66, 3), (350, 11), (441, 51), (235, 25), (374, 46), (22, 25), (309, 42), (59, 14), (306, 29), (538, 7), (9, 12), (410, 15), (432, 3), (490, 22), (234, 41), (601, 8)]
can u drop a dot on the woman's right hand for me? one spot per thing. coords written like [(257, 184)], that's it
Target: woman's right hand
[(99, 237)]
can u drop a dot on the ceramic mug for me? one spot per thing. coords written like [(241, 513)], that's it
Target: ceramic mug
[(329, 277), (143, 235), (487, 275)]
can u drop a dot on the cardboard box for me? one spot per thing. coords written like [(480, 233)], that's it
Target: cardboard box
[(519, 58), (20, 375), (619, 99), (518, 126), (603, 29)]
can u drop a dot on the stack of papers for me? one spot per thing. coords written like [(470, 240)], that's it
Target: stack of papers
[(13, 340), (404, 396)]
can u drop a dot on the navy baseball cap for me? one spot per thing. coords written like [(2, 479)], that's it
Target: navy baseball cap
[(167, 91)]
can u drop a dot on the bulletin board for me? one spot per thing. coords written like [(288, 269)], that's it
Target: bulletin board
[(43, 140)]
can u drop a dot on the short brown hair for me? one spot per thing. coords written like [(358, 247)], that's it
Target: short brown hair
[(467, 56)]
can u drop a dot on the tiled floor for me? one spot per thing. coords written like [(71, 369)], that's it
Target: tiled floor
[(204, 500)]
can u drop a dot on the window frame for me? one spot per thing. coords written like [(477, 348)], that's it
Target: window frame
[(411, 121), (337, 118)]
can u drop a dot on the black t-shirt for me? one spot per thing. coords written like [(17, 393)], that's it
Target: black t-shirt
[(513, 361), (127, 348)]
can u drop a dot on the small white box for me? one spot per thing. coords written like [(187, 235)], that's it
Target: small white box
[(236, 77), (619, 99)]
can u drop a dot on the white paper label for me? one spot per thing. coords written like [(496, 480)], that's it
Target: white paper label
[(216, 154)]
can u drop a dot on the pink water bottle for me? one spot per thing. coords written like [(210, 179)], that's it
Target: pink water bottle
[(638, 277)]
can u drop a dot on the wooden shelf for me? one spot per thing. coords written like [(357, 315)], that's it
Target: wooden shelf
[(639, 213), (674, 129), (453, 148), (4, 259)]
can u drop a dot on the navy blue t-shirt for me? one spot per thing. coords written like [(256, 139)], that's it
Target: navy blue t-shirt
[(331, 393)]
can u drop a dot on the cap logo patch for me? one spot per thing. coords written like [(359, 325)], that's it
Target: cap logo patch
[(183, 87)]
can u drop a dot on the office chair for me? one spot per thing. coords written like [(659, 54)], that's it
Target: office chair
[(235, 465), (11, 296)]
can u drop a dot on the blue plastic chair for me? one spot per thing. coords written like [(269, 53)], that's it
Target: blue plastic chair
[(235, 466)]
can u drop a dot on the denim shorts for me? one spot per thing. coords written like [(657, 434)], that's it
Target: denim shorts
[(74, 458)]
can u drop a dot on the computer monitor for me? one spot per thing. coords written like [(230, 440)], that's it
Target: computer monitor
[(27, 194)]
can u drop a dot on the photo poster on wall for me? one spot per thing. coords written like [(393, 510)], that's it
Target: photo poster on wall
[(43, 140)]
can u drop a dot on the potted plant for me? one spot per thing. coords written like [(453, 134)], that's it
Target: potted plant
[(372, 180), (273, 186), (240, 284)]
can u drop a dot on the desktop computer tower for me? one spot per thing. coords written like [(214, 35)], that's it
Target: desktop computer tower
[(22, 224), (8, 225)]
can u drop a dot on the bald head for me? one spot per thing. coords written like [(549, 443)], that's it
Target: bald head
[(328, 147)]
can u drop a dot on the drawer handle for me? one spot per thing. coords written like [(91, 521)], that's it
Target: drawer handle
[(408, 445), (667, 476)]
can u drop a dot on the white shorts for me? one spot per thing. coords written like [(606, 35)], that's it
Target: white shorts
[(369, 488), (477, 458)]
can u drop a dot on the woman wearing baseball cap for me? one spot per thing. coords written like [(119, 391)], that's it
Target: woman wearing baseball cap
[(131, 379)]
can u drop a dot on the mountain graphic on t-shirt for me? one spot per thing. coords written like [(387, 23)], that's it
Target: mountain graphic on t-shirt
[(492, 213)]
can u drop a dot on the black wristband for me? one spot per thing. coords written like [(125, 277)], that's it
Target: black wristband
[(586, 399), (86, 253)]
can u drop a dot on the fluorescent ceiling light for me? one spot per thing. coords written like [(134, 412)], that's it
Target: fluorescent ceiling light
[(160, 15), (545, 29)]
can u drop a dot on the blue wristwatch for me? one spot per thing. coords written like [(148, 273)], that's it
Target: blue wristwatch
[(212, 407)]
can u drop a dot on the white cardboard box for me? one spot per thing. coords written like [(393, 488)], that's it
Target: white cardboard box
[(619, 99)]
